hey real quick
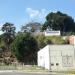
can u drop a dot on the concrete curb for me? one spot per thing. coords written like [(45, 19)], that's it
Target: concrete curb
[(23, 71), (3, 71)]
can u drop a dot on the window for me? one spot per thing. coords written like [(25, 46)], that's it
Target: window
[(57, 64), (52, 64)]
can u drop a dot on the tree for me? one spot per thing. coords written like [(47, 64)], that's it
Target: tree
[(41, 41), (59, 21), (25, 48), (8, 35), (31, 27), (1, 42)]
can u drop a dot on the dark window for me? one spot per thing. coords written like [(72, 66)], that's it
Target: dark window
[(52, 64), (57, 64)]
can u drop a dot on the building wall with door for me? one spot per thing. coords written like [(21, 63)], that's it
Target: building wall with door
[(57, 57)]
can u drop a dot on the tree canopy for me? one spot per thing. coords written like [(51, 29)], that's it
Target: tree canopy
[(8, 35), (59, 21), (25, 48), (31, 27)]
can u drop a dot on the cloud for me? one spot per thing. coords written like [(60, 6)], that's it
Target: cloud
[(39, 14), (32, 13)]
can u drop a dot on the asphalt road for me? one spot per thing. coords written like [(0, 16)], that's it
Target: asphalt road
[(18, 73)]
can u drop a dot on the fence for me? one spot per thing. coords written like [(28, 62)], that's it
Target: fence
[(15, 67)]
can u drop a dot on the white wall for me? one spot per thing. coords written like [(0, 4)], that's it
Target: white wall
[(43, 57), (55, 54), (52, 33), (56, 58), (62, 54)]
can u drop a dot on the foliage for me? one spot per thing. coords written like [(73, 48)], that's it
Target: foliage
[(41, 41), (1, 41), (31, 27), (25, 48), (59, 21), (9, 34), (55, 40)]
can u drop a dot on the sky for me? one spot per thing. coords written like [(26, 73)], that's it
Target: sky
[(20, 12)]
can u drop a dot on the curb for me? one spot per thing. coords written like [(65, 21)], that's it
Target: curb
[(23, 71), (3, 71)]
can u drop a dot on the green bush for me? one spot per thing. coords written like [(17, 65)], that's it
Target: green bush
[(25, 48), (55, 40)]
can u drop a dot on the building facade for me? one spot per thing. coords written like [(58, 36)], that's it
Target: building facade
[(57, 57)]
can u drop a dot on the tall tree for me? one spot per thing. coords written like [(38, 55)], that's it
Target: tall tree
[(31, 27), (8, 35), (59, 21)]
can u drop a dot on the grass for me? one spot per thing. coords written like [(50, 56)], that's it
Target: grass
[(32, 68), (27, 68), (69, 72)]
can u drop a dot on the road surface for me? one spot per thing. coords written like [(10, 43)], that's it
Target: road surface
[(19, 73)]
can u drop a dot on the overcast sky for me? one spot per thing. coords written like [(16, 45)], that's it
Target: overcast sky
[(20, 12)]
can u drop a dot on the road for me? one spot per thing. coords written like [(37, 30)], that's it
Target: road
[(18, 73)]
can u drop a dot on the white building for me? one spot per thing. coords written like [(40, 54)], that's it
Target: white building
[(57, 57), (52, 33)]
